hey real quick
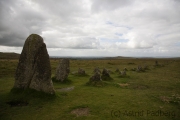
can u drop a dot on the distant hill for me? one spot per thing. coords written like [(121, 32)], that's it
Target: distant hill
[(9, 55)]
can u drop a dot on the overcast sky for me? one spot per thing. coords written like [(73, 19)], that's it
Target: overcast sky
[(93, 27)]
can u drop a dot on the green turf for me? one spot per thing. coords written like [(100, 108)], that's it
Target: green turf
[(145, 94)]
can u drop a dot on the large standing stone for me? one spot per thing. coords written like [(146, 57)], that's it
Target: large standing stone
[(34, 70), (62, 70)]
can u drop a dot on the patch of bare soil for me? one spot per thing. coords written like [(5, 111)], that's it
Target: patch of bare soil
[(80, 112), (175, 98), (123, 84), (138, 86), (65, 89)]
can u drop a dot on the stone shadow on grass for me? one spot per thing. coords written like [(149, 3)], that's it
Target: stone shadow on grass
[(105, 78), (80, 75), (95, 83), (18, 97), (66, 81), (123, 76)]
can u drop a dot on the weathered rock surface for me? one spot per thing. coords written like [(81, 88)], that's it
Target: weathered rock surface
[(117, 70), (62, 70), (109, 71), (123, 73), (156, 63), (97, 70), (105, 73), (133, 69), (81, 71), (95, 80), (34, 70), (95, 77), (146, 67), (125, 69), (139, 69)]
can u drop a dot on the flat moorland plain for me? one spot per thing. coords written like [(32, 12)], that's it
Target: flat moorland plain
[(150, 95)]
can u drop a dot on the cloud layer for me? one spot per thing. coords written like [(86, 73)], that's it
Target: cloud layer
[(93, 27)]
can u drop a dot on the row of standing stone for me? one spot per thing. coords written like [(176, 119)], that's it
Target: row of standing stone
[(63, 70)]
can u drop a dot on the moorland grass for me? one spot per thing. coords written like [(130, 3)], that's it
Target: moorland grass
[(139, 95)]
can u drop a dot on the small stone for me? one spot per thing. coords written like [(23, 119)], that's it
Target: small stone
[(156, 63), (105, 73), (145, 67), (96, 77), (125, 69), (133, 69), (74, 72), (123, 73), (117, 70), (81, 71), (97, 70), (139, 69)]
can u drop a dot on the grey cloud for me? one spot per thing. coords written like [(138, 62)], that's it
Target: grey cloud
[(67, 24), (62, 10), (17, 22), (75, 43), (21, 18), (100, 5)]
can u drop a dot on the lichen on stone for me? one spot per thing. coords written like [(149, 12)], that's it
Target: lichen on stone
[(34, 70)]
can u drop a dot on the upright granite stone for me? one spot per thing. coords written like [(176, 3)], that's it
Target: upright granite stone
[(105, 73), (81, 71), (117, 70), (156, 63), (62, 70), (125, 69), (34, 70), (97, 70), (123, 73), (96, 77), (139, 69), (95, 80)]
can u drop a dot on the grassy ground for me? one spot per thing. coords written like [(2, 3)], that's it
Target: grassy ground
[(150, 95)]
